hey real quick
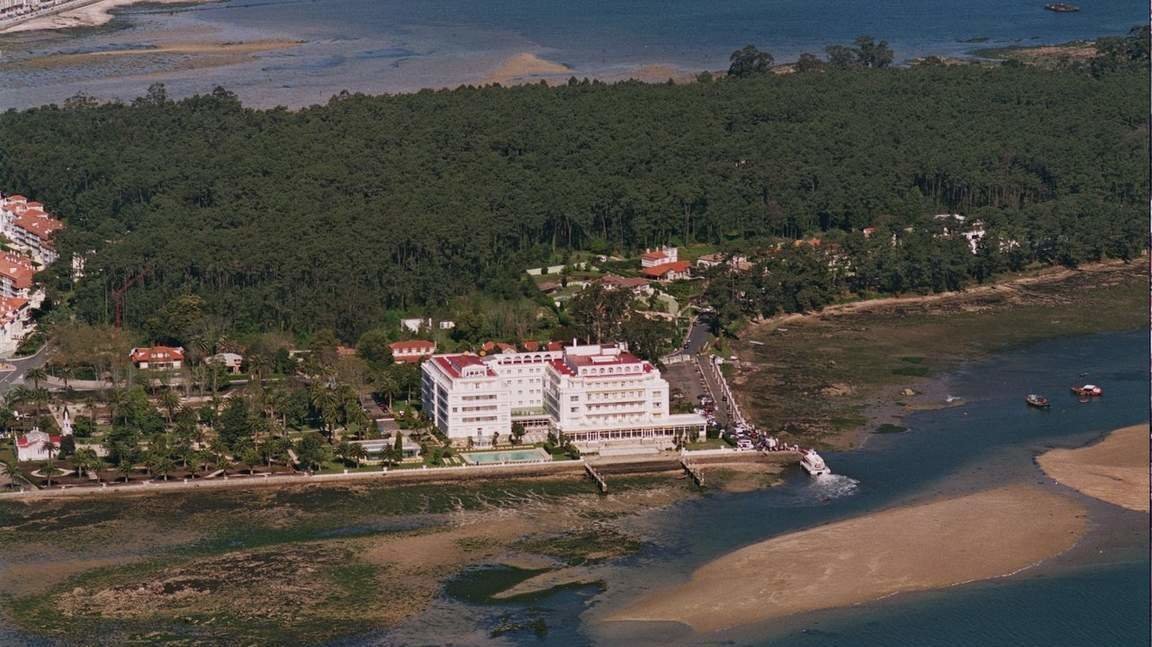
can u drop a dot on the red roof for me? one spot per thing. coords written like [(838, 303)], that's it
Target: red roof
[(17, 269), (452, 364), (412, 344), (654, 256), (660, 270), (555, 345), (623, 282), (16, 198), (23, 440), (604, 360), (531, 346), (157, 354), (42, 226)]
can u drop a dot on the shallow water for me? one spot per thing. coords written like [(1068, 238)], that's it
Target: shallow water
[(400, 45), (988, 441)]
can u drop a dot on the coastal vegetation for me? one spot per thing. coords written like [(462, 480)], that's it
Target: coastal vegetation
[(345, 216)]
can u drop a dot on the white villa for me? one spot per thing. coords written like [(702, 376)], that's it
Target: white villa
[(597, 395), (34, 446)]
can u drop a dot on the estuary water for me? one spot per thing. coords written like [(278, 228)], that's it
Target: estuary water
[(403, 45), (1095, 594)]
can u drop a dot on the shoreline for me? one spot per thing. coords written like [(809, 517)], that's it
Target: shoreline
[(765, 465), (918, 547), (93, 13), (865, 378)]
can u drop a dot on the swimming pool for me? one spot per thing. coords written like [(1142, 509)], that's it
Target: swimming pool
[(535, 455)]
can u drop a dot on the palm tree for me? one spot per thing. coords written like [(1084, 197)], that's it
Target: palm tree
[(17, 395), (41, 397), (160, 463), (12, 469), (49, 448), (87, 462), (327, 403), (344, 451), (357, 453), (125, 467), (116, 400), (170, 400), (257, 365), (37, 375)]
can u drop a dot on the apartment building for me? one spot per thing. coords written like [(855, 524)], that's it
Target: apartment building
[(597, 395), (27, 226)]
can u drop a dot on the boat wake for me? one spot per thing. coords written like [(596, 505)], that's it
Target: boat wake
[(834, 486)]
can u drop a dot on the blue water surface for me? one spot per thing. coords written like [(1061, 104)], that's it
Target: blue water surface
[(1096, 594)]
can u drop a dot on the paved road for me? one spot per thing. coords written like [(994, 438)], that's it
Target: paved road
[(698, 336), (10, 379)]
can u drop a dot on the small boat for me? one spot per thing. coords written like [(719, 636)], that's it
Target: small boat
[(1038, 401), (813, 463), (1062, 7), (1088, 391)]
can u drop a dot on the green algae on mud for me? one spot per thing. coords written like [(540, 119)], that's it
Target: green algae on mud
[(278, 566)]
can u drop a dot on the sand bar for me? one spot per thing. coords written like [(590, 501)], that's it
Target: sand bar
[(523, 68), (230, 50), (1114, 470), (934, 545)]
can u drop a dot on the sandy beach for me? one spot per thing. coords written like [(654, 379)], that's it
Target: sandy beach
[(89, 15), (525, 67), (935, 545), (1113, 470)]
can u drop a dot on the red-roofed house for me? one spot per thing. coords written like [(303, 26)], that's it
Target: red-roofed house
[(412, 351), (656, 257), (638, 286), (669, 271), (35, 445), (157, 357)]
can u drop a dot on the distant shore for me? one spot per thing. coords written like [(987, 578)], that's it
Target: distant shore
[(1113, 470), (989, 534), (93, 14)]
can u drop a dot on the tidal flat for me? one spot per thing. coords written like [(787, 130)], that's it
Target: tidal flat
[(302, 563)]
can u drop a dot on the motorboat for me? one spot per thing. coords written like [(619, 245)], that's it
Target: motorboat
[(1038, 401), (813, 463), (1088, 391)]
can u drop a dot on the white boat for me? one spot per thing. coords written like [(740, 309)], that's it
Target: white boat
[(813, 464)]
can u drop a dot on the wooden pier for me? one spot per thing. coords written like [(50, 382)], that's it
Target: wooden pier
[(695, 472), (600, 482)]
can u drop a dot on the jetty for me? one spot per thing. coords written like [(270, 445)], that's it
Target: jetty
[(600, 482), (696, 473)]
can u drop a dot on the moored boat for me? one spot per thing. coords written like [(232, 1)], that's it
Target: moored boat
[(813, 463), (1062, 7), (1038, 401), (1088, 391)]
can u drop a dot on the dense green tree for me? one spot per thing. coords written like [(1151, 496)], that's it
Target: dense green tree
[(749, 61), (374, 348), (248, 210), (234, 427)]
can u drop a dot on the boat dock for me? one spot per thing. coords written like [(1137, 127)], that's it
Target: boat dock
[(696, 473), (600, 482)]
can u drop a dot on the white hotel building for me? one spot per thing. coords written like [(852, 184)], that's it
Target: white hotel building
[(598, 396)]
